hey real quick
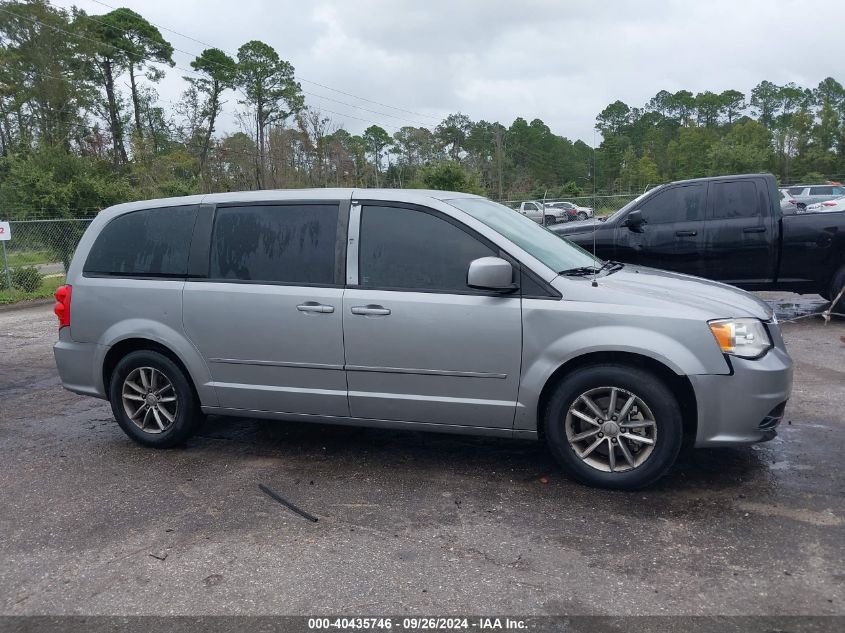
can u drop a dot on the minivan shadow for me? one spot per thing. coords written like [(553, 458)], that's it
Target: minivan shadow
[(410, 453)]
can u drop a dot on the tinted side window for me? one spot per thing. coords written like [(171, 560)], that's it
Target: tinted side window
[(292, 244), (795, 191), (413, 250), (821, 191), (837, 191), (734, 200), (152, 242), (678, 204)]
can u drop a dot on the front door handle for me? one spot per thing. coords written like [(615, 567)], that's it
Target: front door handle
[(371, 310), (754, 229), (313, 306), (686, 233)]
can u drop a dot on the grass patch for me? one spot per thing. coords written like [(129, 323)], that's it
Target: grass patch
[(30, 258), (48, 287)]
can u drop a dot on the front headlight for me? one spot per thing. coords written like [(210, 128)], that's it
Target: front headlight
[(746, 338)]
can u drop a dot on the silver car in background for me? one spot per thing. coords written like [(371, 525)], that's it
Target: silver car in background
[(410, 309)]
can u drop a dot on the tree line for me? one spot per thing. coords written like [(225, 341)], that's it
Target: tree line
[(82, 127)]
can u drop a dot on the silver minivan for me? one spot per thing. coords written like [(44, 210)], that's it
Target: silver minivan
[(410, 309)]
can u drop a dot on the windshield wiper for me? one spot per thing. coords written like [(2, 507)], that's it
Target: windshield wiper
[(583, 271)]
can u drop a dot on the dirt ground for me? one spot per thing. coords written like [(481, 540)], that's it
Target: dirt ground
[(91, 523)]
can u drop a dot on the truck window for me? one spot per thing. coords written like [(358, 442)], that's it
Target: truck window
[(736, 199), (676, 204), (795, 191)]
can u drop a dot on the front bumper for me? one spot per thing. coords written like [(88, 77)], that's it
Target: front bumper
[(744, 407)]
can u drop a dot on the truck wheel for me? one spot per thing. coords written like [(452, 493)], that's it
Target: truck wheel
[(614, 426), (550, 219), (836, 285), (582, 215), (152, 400)]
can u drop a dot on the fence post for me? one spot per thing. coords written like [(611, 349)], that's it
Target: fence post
[(6, 265)]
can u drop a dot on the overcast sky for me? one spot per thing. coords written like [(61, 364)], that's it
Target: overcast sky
[(561, 61)]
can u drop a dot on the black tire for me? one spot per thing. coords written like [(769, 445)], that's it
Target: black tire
[(187, 418), (656, 396), (550, 220), (836, 285)]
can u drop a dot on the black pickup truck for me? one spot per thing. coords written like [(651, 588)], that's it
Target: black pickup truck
[(727, 228)]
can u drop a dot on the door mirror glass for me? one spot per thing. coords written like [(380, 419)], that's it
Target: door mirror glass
[(491, 273), (635, 221)]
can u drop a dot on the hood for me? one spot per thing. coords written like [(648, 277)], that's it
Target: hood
[(585, 226), (646, 286)]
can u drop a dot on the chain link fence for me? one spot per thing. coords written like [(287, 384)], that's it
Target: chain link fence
[(36, 256)]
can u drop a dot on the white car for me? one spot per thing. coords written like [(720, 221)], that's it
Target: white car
[(829, 205)]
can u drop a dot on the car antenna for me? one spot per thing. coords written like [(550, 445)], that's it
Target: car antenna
[(594, 283)]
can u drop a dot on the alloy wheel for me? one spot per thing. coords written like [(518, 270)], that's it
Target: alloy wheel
[(611, 429), (150, 400)]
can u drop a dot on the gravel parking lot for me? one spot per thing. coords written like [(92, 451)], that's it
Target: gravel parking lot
[(91, 523)]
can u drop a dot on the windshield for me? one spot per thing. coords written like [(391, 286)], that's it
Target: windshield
[(556, 253), (632, 204)]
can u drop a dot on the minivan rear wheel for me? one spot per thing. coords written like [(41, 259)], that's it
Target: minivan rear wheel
[(614, 426), (152, 400)]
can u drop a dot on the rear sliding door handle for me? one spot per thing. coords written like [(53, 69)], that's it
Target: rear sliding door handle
[(313, 306), (754, 229), (371, 310), (686, 233)]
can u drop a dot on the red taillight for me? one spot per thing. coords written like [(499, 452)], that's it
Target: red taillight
[(829, 204), (62, 307)]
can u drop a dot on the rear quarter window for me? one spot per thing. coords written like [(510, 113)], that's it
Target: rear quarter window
[(150, 242)]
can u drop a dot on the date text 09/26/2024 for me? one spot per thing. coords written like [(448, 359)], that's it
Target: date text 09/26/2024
[(417, 623)]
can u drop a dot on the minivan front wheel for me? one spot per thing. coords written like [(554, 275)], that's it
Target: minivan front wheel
[(152, 400), (614, 426)]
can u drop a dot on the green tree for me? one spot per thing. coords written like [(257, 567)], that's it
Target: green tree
[(132, 43), (270, 91), (746, 148), (733, 104), (376, 139), (219, 72), (449, 175), (452, 133)]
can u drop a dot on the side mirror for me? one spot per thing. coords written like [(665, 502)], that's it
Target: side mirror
[(635, 221), (491, 273)]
